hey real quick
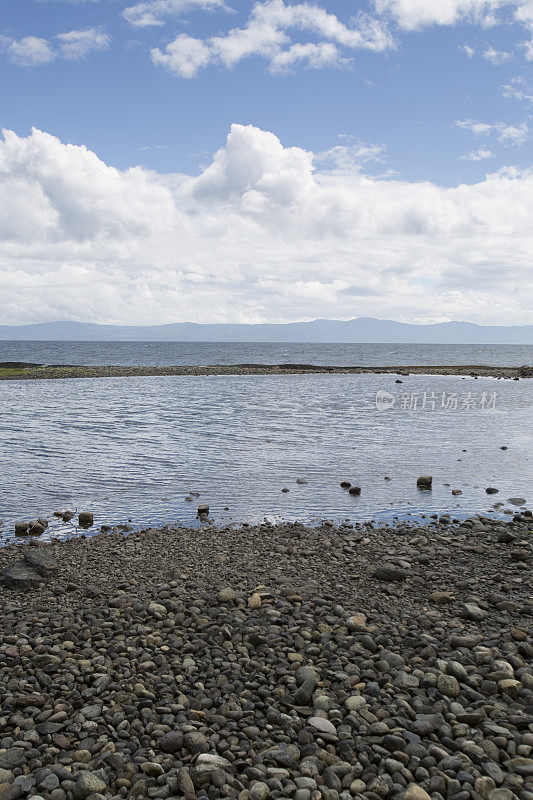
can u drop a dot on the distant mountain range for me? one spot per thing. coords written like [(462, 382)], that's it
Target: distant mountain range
[(364, 330)]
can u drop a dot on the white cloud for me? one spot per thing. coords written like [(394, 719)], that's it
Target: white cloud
[(524, 15), (512, 134), (517, 89), (496, 57), (366, 32), (259, 235), (417, 14), (78, 44), (184, 56), (351, 157), (154, 12), (34, 52), (266, 35), (508, 134), (477, 128), (313, 56), (31, 51), (467, 50), (478, 155)]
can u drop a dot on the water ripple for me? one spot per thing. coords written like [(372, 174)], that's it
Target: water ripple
[(134, 448)]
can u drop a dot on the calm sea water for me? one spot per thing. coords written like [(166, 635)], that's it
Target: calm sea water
[(194, 353), (133, 448)]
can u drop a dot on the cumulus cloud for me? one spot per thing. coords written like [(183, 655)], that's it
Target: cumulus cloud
[(266, 34), (260, 235), (313, 56), (417, 14), (507, 134), (155, 12), (32, 51), (184, 56)]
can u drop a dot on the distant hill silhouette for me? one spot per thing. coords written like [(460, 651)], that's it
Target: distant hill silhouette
[(363, 329)]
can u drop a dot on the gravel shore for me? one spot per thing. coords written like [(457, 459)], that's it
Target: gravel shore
[(271, 662), (57, 371)]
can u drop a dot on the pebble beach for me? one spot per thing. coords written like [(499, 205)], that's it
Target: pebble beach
[(275, 661)]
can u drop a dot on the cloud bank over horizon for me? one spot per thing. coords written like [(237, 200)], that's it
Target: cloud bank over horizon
[(265, 233)]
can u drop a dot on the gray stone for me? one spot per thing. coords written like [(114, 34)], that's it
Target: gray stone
[(473, 612), (389, 574), (20, 575), (323, 725), (501, 794), (41, 560), (448, 686), (49, 782), (304, 693), (406, 681), (414, 792), (12, 758), (88, 783), (259, 791)]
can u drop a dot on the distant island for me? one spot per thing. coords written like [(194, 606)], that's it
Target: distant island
[(362, 330)]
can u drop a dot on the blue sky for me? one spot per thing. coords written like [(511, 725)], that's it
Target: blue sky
[(398, 93), (407, 97)]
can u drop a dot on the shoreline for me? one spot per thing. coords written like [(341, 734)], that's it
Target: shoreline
[(57, 371), (275, 661)]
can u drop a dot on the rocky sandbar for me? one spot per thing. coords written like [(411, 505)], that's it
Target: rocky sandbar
[(56, 371)]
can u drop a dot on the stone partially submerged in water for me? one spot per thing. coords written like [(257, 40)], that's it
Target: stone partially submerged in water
[(34, 528), (21, 528), (424, 482)]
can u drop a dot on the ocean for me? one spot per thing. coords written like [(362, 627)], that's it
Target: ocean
[(195, 353)]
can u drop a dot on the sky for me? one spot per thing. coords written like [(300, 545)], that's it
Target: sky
[(270, 161)]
